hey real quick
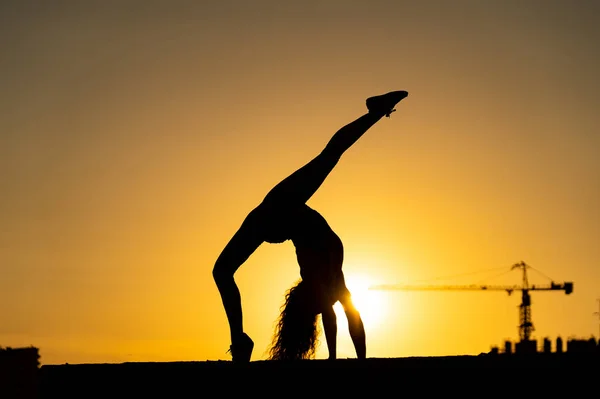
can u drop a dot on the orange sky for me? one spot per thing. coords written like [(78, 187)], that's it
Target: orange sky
[(135, 138)]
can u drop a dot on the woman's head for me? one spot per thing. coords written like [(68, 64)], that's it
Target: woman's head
[(297, 328)]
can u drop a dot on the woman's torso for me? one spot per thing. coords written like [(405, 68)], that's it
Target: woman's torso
[(319, 249)]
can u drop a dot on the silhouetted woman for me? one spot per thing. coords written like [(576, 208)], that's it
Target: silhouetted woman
[(283, 215)]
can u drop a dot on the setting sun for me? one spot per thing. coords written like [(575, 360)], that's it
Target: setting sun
[(371, 304)]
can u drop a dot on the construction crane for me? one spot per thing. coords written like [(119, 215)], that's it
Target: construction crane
[(525, 323)]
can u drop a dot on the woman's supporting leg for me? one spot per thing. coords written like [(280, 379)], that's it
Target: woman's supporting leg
[(244, 242), (329, 320), (355, 325)]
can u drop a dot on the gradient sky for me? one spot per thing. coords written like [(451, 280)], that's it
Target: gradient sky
[(136, 136)]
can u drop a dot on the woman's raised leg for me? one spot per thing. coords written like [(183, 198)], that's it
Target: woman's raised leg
[(303, 183)]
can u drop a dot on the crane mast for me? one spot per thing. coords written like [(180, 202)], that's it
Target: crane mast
[(525, 325)]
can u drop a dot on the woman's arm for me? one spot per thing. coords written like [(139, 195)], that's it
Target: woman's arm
[(330, 327), (356, 326)]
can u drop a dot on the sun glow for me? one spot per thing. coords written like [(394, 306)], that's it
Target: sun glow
[(371, 304)]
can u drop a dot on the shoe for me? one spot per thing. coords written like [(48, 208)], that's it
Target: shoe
[(241, 351), (385, 103)]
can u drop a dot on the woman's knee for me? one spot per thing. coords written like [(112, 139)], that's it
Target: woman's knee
[(221, 273)]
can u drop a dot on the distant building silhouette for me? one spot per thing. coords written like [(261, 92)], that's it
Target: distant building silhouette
[(19, 370), (573, 346), (582, 345), (559, 345), (547, 345), (526, 347)]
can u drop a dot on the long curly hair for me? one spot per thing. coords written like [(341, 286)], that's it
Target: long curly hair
[(297, 331)]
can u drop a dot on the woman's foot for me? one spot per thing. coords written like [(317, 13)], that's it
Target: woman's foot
[(241, 350), (385, 103)]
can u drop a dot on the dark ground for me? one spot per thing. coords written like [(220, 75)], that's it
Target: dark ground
[(218, 378)]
